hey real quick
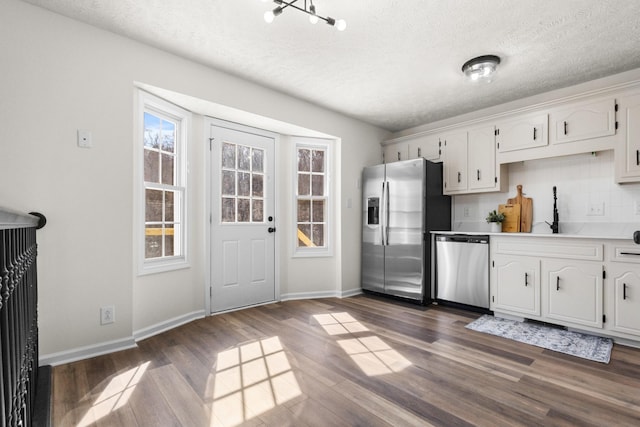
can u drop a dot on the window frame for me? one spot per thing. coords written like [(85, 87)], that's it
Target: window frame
[(313, 144), (148, 103)]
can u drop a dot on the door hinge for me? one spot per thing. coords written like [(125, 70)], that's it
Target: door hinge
[(604, 318), (616, 125), (210, 291), (496, 179), (616, 107), (210, 143), (493, 264), (439, 143), (496, 132), (604, 274), (493, 298), (210, 218), (498, 145)]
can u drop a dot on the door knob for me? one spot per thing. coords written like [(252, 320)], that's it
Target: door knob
[(271, 229)]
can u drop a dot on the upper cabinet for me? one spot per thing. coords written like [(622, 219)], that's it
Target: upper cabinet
[(592, 119), (395, 152), (469, 159), (628, 150), (522, 133), (455, 162), (426, 146)]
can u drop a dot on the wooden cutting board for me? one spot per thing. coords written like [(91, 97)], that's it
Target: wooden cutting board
[(526, 209), (511, 223)]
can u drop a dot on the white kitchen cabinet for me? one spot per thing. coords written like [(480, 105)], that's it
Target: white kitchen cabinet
[(585, 120), (426, 146), (627, 153), (517, 285), (625, 298), (522, 133), (469, 162), (573, 291), (455, 162), (396, 152), (481, 158)]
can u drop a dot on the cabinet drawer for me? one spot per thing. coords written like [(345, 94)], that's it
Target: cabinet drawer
[(625, 253), (550, 248)]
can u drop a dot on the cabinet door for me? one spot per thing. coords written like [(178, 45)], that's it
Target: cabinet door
[(584, 121), (517, 285), (455, 162), (573, 291), (522, 133), (629, 164), (626, 298), (482, 158), (396, 152), (426, 146)]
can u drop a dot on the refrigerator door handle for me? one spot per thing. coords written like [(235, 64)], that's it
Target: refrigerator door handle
[(386, 215), (383, 213)]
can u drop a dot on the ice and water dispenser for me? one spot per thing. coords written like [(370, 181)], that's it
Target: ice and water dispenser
[(373, 210)]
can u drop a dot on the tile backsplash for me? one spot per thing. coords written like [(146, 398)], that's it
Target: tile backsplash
[(586, 189)]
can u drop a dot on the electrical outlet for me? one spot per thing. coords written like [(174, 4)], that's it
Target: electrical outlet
[(595, 209), (107, 314)]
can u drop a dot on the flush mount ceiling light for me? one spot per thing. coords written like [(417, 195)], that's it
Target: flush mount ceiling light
[(309, 9), (481, 68)]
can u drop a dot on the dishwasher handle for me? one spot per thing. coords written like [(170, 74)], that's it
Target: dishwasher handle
[(462, 238)]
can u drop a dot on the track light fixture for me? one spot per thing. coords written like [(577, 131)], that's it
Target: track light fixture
[(481, 68), (309, 9)]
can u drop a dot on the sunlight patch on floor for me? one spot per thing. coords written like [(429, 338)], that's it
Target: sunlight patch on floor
[(370, 353), (115, 395), (250, 380)]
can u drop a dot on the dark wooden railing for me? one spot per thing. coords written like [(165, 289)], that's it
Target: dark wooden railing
[(18, 317)]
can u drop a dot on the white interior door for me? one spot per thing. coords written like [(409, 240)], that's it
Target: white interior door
[(242, 218)]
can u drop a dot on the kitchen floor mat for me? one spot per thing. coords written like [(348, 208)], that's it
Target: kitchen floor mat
[(574, 343)]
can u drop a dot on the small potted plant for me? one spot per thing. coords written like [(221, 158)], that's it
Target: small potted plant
[(495, 220)]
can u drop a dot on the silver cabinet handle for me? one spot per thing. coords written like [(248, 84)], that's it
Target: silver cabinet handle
[(624, 291), (557, 283), (534, 134), (478, 174), (630, 253), (565, 127), (459, 177), (526, 279), (419, 152)]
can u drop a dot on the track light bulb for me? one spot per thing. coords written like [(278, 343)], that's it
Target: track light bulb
[(341, 24), (270, 15), (312, 15)]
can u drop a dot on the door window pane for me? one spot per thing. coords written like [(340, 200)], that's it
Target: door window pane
[(244, 210), (257, 160), (257, 185), (228, 209), (257, 211), (244, 184), (228, 183), (244, 158), (228, 155)]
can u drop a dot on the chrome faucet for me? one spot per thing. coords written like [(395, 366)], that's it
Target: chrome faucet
[(556, 218)]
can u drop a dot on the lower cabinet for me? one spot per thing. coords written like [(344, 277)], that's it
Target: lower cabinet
[(574, 292), (517, 284), (587, 284), (625, 298)]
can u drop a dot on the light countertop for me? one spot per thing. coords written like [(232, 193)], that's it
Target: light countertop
[(602, 231)]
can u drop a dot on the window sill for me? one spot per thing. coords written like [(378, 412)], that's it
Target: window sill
[(163, 266), (311, 253)]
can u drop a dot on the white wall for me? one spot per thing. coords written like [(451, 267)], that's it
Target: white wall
[(59, 75), (582, 181)]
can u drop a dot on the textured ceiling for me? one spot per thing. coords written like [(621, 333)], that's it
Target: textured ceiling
[(397, 65)]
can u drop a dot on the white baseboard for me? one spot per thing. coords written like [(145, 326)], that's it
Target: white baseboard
[(158, 328), (86, 352), (322, 294)]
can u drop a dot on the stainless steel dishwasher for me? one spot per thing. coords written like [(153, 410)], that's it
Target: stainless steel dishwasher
[(462, 269)]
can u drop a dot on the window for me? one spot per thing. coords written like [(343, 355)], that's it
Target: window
[(312, 198), (163, 144)]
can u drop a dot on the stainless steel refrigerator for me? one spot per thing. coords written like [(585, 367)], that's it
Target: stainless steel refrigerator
[(402, 202)]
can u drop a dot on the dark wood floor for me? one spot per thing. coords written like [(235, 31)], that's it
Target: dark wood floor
[(358, 361)]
